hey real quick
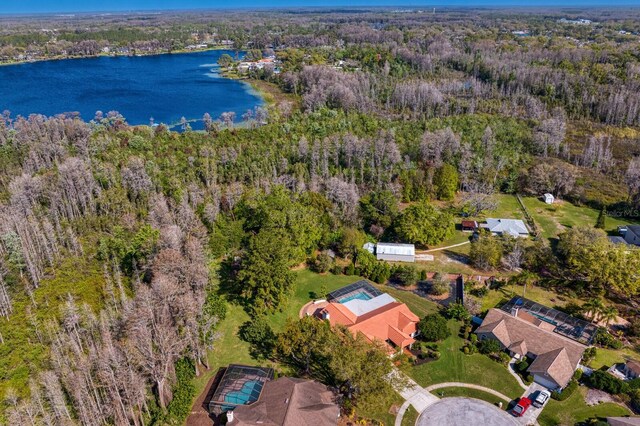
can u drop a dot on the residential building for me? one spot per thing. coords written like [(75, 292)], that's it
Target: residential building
[(289, 401), (365, 310), (631, 369), (396, 252), (632, 235), (551, 338), (469, 225), (513, 227)]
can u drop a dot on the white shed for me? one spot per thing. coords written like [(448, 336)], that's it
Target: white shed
[(549, 198), (396, 252)]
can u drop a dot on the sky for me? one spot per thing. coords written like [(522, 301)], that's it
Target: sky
[(68, 6)]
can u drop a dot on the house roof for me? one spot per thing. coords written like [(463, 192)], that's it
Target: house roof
[(633, 365), (290, 402), (469, 224), (556, 356), (394, 321), (396, 249), (634, 229), (514, 227)]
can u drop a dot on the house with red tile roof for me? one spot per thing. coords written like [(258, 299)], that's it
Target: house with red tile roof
[(363, 309)]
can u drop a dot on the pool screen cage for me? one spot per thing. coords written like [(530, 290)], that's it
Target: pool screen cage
[(239, 385), (351, 289), (566, 325)]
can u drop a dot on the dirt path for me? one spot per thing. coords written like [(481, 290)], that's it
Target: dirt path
[(199, 414), (442, 248)]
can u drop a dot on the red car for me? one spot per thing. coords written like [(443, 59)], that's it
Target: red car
[(522, 407)]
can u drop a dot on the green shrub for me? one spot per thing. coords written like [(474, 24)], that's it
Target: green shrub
[(183, 391), (489, 346), (566, 392), (433, 328), (606, 382), (350, 269), (465, 349), (336, 270), (457, 311)]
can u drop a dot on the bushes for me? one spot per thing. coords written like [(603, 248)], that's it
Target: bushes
[(606, 382), (405, 275), (322, 263), (457, 311), (183, 391), (566, 392), (439, 287), (489, 346), (433, 328), (606, 340)]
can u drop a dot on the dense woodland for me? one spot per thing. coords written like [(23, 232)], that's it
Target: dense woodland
[(121, 246)]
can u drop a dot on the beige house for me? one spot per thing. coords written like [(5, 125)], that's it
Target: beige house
[(555, 357)]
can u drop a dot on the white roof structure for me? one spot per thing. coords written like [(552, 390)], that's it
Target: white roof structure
[(370, 247), (513, 227), (361, 307), (548, 198), (396, 249)]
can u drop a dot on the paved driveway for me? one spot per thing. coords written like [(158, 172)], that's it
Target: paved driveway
[(531, 416), (464, 412)]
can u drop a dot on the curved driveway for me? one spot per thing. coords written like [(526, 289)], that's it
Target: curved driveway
[(464, 412)]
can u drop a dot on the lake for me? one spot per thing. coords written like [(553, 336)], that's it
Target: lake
[(163, 87)]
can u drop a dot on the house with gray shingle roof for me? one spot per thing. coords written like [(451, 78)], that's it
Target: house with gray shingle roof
[(555, 357), (513, 227)]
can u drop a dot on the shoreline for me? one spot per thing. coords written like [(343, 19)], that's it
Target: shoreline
[(115, 55)]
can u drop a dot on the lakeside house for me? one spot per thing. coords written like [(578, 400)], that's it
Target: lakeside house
[(553, 340), (363, 309), (514, 227)]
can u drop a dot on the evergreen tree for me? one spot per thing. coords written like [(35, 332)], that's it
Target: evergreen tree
[(601, 222)]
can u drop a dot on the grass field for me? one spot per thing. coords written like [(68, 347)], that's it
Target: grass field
[(410, 417), (553, 219), (471, 393), (455, 366), (574, 410)]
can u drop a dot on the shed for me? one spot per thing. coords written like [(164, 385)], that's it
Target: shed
[(549, 198), (396, 252), (370, 247), (469, 225)]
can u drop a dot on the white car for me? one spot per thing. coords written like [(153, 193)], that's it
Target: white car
[(541, 399)]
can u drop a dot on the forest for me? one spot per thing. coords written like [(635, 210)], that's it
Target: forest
[(122, 247)]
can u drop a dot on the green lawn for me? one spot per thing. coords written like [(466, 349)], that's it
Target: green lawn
[(455, 366), (574, 410), (410, 417), (537, 294), (471, 393), (609, 357), (552, 219), (230, 349)]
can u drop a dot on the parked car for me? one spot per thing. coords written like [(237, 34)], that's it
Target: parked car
[(523, 405), (542, 398)]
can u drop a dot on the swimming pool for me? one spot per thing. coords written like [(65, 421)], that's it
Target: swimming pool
[(361, 295), (248, 394)]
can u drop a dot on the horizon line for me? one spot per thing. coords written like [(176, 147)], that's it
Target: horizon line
[(337, 7)]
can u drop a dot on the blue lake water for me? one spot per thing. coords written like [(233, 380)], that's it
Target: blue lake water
[(165, 87)]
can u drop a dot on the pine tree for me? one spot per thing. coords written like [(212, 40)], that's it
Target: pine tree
[(600, 223)]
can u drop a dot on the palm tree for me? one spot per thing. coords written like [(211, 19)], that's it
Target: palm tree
[(609, 314), (593, 308)]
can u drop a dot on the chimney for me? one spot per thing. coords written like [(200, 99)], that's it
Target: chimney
[(325, 315), (514, 311), (230, 416)]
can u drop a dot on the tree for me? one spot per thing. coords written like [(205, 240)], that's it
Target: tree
[(264, 279), (457, 311), (260, 336), (378, 209), (405, 275), (304, 344), (433, 328), (486, 252), (445, 181), (602, 216), (225, 60), (424, 224), (489, 346)]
